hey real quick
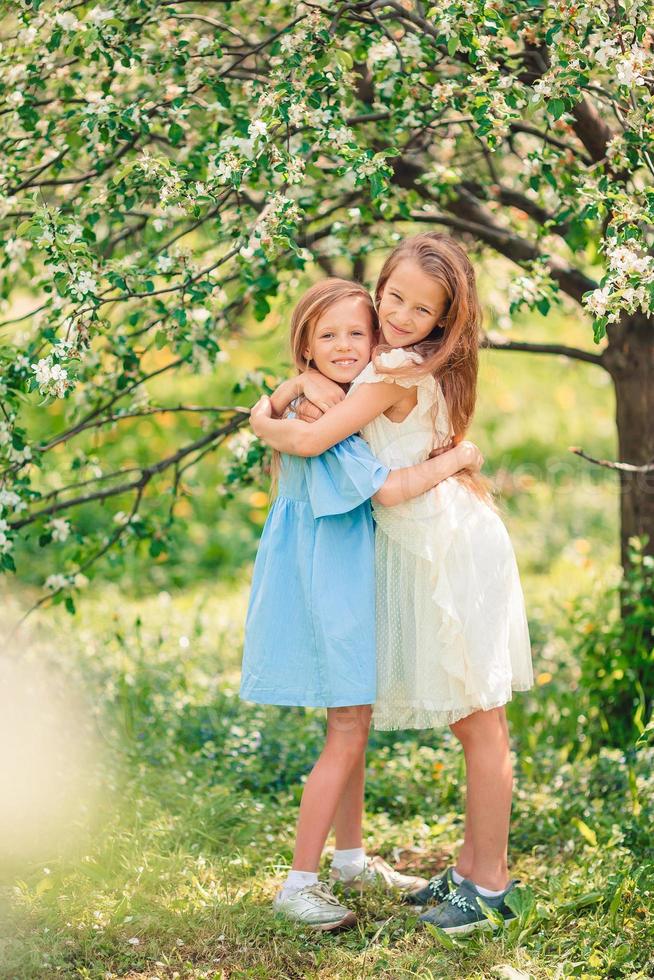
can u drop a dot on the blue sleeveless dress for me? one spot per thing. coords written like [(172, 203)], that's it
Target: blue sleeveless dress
[(310, 626)]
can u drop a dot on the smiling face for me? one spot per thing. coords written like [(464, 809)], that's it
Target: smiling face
[(410, 305), (342, 340)]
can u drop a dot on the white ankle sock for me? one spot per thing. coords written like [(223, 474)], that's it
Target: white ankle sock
[(352, 858), (297, 880), (456, 877), (487, 893)]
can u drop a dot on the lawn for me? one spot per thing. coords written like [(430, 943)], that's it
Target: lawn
[(147, 814), (157, 819)]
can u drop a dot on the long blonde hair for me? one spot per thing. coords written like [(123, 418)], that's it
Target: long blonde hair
[(313, 304), (451, 352)]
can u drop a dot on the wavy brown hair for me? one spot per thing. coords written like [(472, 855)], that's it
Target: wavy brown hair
[(451, 352)]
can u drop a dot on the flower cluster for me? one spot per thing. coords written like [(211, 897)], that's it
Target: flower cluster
[(627, 285), (51, 378), (537, 289), (6, 543)]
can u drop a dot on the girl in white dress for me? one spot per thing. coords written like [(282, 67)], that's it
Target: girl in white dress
[(452, 633)]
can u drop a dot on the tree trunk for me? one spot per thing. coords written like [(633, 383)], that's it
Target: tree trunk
[(629, 359)]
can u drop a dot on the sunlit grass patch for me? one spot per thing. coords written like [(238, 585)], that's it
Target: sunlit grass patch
[(196, 831)]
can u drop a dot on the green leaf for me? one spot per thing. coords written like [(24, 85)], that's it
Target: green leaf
[(440, 936), (521, 901), (493, 915), (453, 44), (7, 562), (343, 59), (556, 108), (157, 546), (590, 898), (175, 134)]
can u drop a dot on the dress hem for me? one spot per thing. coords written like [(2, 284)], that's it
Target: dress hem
[(303, 702), (387, 721)]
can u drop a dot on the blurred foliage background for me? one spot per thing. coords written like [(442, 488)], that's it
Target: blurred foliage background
[(562, 512)]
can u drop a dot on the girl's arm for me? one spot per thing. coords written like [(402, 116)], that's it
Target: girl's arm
[(313, 438), (317, 389), (411, 481)]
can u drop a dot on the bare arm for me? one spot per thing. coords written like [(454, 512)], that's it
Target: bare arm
[(311, 439), (411, 481), (317, 389), (282, 397)]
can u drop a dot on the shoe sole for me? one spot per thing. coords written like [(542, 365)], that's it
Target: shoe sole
[(346, 922)]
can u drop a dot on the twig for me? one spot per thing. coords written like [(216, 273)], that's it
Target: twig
[(623, 467)]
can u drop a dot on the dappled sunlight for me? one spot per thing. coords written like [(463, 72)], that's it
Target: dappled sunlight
[(52, 781)]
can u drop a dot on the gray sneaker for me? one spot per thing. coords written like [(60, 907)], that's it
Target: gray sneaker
[(375, 872), (315, 906), (435, 891), (464, 910)]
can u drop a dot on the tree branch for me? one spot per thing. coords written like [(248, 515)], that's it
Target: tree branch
[(622, 467), (493, 342), (146, 473)]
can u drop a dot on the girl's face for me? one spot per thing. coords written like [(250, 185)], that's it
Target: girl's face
[(410, 306), (342, 340)]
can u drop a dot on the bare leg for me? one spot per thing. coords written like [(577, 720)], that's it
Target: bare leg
[(349, 812), (484, 736), (347, 736), (465, 859)]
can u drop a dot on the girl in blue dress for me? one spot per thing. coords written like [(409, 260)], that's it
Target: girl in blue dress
[(310, 627)]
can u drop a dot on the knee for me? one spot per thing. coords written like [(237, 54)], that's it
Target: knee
[(480, 727), (348, 732)]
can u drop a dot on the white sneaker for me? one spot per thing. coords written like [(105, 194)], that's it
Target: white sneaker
[(376, 871), (315, 905)]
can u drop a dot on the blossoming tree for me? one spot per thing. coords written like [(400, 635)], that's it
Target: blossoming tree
[(165, 165)]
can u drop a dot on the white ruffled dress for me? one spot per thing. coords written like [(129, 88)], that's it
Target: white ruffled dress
[(452, 634)]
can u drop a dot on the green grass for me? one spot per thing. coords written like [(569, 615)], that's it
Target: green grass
[(175, 824)]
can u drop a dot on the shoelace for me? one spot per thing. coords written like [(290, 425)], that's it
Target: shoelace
[(435, 885), (461, 902), (322, 891)]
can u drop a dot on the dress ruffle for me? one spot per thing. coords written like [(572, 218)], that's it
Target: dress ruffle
[(482, 667), (431, 407)]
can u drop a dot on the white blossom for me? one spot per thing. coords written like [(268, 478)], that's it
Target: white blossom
[(85, 283), (629, 261), (60, 528), (67, 21), (9, 500), (258, 128), (27, 35), (340, 136), (240, 444), (97, 15), (56, 582), (6, 544), (165, 263), (16, 248), (20, 456)]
